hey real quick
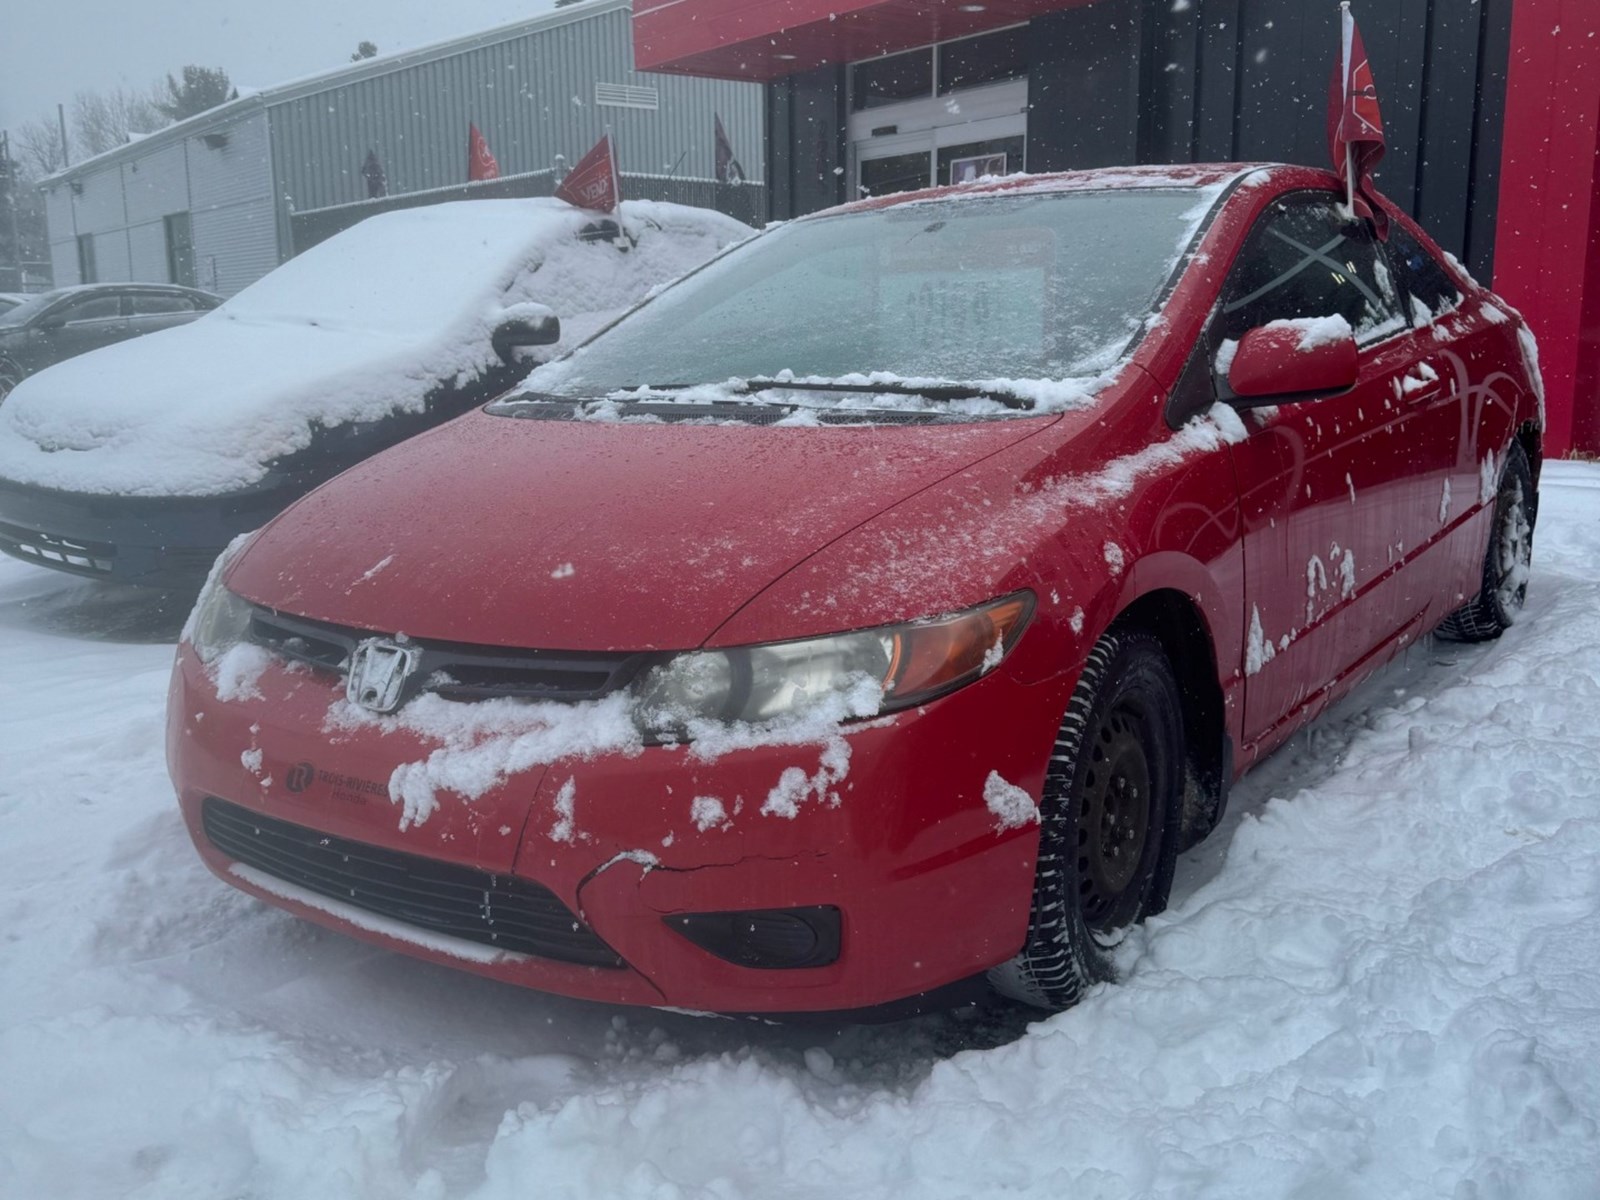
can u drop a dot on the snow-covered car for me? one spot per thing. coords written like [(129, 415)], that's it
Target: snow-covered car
[(140, 462), (51, 327), (888, 603)]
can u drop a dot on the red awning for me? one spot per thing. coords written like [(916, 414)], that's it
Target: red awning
[(766, 39)]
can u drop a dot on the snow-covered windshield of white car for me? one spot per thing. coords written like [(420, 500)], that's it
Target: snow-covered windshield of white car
[(907, 299)]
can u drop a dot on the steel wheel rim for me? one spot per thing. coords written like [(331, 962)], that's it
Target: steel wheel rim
[(1513, 551), (1113, 826)]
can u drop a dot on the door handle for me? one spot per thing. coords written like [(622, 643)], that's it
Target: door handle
[(1420, 384)]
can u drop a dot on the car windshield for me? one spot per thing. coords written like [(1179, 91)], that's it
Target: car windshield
[(967, 290), (29, 308)]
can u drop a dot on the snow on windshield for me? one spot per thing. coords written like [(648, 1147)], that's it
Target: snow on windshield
[(1033, 298), (365, 324)]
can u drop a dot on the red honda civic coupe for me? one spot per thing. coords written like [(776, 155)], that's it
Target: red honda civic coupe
[(885, 604)]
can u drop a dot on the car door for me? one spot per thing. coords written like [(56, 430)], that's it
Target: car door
[(87, 323), (154, 310), (1328, 485), (1461, 341)]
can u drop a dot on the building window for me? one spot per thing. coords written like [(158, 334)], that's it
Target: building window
[(622, 95), (975, 61), (974, 160), (949, 67), (893, 79), (894, 173), (86, 271), (180, 248)]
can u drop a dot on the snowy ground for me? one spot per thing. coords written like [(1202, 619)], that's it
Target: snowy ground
[(1380, 979)]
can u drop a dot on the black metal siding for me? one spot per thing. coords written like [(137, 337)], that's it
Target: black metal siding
[(805, 142), (1220, 80)]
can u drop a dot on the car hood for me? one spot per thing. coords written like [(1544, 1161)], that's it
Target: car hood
[(202, 408), (581, 535)]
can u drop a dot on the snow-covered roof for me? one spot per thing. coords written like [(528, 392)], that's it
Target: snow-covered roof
[(1185, 175), (251, 99)]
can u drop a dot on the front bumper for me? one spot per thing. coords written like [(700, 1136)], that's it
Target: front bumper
[(927, 889), (156, 541)]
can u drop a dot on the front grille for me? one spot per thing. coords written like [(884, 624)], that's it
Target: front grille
[(494, 910), (455, 670), (90, 558)]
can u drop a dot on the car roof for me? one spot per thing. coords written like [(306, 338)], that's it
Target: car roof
[(120, 286), (1191, 176)]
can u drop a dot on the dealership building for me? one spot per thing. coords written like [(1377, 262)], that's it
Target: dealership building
[(1491, 107), (219, 200)]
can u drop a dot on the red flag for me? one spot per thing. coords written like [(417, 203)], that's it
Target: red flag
[(728, 169), (1355, 126), (593, 182), (480, 163)]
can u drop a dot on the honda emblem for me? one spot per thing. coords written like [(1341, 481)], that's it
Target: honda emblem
[(379, 670)]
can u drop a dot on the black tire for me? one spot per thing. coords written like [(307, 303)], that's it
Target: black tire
[(1108, 816), (1505, 560)]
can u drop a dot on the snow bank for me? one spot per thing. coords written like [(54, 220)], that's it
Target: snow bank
[(1376, 980), (360, 326)]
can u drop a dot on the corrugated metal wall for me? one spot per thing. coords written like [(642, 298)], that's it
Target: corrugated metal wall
[(152, 187), (226, 186), (533, 97), (63, 246), (235, 219)]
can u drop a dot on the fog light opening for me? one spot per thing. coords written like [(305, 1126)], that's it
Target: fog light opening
[(767, 939)]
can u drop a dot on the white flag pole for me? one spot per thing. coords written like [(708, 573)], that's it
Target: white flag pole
[(1347, 23)]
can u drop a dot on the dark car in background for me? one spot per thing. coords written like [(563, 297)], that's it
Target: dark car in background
[(139, 462), (54, 326)]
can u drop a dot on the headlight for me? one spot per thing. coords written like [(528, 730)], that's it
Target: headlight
[(846, 675), (220, 619), (220, 622)]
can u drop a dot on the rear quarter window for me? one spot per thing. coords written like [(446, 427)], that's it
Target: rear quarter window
[(1421, 274)]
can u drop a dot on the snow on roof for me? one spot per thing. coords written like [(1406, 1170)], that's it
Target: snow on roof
[(1195, 175), (358, 327)]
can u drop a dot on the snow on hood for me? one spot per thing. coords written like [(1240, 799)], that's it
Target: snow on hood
[(358, 327), (588, 536)]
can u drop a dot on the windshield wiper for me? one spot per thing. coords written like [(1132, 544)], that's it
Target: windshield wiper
[(935, 391)]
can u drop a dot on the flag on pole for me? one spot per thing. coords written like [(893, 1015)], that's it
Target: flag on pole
[(480, 163), (728, 169), (1355, 126), (372, 172), (593, 183)]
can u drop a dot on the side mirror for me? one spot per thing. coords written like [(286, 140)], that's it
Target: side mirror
[(51, 323), (1288, 359), (522, 327)]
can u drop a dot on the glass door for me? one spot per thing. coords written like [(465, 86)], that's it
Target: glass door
[(945, 151)]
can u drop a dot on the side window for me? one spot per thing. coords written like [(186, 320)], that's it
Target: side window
[(1427, 283), (150, 304), (96, 308), (1306, 259)]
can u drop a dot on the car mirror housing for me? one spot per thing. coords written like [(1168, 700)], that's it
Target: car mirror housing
[(51, 323), (1290, 359), (524, 326)]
